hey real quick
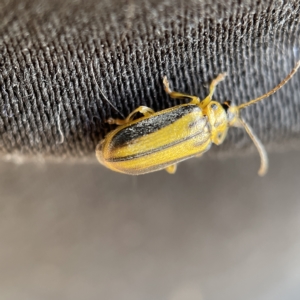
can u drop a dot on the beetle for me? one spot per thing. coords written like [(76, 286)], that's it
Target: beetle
[(160, 140)]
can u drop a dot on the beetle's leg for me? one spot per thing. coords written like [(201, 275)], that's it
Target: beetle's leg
[(212, 88), (259, 146), (194, 99), (146, 111), (171, 169)]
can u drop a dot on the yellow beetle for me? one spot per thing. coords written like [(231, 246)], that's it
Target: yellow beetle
[(160, 140)]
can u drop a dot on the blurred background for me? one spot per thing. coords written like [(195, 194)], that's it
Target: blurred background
[(214, 230)]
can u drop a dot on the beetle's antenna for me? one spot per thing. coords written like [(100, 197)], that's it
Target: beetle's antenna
[(259, 146), (92, 69), (280, 85)]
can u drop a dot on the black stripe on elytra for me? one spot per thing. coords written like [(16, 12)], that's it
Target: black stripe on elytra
[(138, 155), (150, 125), (158, 167)]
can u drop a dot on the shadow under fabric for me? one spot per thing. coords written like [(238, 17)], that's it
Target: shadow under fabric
[(53, 52)]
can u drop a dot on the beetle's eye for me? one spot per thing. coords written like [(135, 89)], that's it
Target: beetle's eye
[(214, 106), (226, 105)]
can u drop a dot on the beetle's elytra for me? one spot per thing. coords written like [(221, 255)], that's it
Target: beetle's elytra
[(160, 140)]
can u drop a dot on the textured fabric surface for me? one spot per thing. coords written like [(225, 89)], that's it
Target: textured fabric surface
[(50, 50)]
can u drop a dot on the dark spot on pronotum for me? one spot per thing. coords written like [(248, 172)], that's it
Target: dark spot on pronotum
[(214, 106)]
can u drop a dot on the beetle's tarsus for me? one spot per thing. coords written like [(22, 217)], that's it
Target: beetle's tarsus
[(112, 121), (167, 85), (171, 169)]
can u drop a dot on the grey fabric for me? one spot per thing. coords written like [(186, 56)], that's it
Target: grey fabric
[(51, 105), (210, 232)]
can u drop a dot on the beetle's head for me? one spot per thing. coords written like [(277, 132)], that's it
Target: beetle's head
[(232, 112), (218, 121)]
